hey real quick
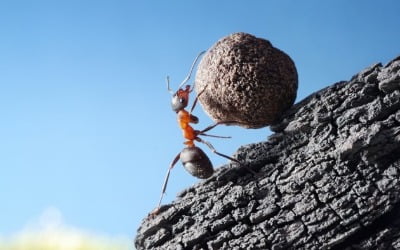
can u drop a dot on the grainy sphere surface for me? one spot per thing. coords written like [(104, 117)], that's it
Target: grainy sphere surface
[(246, 80)]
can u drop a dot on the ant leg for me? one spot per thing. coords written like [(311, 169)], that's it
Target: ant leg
[(164, 187), (201, 132), (215, 151), (225, 156), (196, 99), (216, 136)]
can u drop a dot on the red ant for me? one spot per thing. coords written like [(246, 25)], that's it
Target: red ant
[(193, 158)]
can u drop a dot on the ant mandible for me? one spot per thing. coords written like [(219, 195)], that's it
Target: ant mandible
[(193, 158)]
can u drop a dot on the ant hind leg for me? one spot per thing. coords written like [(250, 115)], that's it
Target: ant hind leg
[(216, 152), (225, 156), (164, 186)]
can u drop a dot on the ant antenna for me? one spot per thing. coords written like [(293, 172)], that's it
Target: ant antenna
[(191, 69), (169, 89)]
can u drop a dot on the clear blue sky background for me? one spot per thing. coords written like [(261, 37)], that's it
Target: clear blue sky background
[(85, 118)]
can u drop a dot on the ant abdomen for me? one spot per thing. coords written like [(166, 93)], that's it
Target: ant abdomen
[(196, 162)]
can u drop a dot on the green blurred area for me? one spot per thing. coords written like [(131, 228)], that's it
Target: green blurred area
[(63, 240), (44, 246)]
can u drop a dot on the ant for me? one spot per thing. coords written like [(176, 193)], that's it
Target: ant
[(193, 158)]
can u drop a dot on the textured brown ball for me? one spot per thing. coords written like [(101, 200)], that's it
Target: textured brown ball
[(246, 80)]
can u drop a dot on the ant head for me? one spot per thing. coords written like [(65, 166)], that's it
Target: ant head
[(180, 99)]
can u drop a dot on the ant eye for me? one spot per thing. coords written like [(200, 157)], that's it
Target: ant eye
[(181, 100)]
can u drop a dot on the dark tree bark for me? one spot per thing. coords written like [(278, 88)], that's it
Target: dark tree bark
[(328, 178)]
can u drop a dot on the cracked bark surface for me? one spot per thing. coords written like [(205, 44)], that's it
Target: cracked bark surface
[(328, 178)]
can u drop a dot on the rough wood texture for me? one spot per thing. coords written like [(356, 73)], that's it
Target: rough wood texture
[(328, 178)]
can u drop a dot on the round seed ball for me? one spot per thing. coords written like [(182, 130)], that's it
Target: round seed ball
[(244, 80)]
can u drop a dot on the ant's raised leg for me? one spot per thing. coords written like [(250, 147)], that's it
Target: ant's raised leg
[(164, 187), (196, 99)]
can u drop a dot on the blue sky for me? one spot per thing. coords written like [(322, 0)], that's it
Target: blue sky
[(85, 120)]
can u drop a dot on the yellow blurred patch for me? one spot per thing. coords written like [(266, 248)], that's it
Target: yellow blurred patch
[(49, 233)]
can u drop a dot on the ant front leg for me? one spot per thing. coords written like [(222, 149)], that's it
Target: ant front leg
[(164, 186), (193, 118), (196, 99)]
